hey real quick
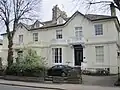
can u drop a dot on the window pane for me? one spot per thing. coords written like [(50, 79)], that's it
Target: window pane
[(60, 55), (98, 29), (58, 34), (35, 36), (20, 39), (57, 55), (78, 32), (99, 54)]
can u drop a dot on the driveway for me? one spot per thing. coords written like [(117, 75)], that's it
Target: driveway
[(99, 80)]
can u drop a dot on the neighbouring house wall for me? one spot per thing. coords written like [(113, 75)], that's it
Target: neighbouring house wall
[(1, 48), (110, 57)]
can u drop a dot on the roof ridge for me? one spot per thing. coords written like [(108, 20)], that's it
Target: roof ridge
[(99, 15)]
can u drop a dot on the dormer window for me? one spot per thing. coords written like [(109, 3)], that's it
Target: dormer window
[(37, 25), (60, 20), (21, 26)]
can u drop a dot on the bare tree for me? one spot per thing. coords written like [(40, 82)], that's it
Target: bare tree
[(12, 11), (114, 3)]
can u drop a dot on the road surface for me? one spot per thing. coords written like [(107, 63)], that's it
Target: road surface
[(7, 87)]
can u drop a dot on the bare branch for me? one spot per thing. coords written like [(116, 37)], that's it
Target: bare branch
[(14, 11)]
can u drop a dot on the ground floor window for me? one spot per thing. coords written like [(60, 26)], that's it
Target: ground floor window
[(57, 55), (20, 54), (99, 54)]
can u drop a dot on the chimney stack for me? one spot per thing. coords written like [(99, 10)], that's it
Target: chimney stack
[(56, 12), (112, 9)]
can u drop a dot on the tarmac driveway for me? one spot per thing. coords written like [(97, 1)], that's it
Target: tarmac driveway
[(99, 80)]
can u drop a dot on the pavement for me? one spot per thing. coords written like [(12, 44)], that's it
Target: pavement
[(100, 80), (54, 86), (8, 87)]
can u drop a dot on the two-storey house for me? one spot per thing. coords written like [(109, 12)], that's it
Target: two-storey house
[(1, 49), (1, 43), (90, 39)]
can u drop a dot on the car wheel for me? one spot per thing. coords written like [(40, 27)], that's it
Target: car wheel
[(63, 74)]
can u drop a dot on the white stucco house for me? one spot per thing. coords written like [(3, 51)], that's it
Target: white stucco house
[(1, 43), (91, 39)]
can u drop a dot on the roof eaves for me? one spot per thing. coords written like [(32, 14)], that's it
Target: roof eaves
[(5, 33), (104, 18), (47, 27)]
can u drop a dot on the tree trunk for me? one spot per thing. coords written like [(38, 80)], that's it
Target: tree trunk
[(10, 51)]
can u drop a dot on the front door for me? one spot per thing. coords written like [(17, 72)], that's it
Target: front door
[(78, 53)]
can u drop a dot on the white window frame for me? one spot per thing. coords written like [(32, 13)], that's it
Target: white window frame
[(98, 29), (21, 39), (59, 34), (57, 55), (99, 54), (78, 33), (35, 37)]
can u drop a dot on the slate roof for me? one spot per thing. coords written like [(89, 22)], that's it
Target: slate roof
[(97, 17), (48, 24)]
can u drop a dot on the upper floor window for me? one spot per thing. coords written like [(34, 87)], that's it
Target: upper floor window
[(35, 37), (99, 54), (98, 29), (20, 39), (57, 55), (78, 32), (58, 34)]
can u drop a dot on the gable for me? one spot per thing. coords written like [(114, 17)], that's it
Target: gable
[(60, 20), (22, 26), (77, 16), (37, 24)]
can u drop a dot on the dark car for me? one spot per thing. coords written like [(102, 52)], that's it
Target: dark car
[(59, 70), (102, 72)]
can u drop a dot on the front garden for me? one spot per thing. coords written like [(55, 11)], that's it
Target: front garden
[(29, 64), (28, 67)]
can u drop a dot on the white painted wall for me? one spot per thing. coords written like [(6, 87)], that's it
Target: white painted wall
[(110, 34), (110, 57), (0, 48)]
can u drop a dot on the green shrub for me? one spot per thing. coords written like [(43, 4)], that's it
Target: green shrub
[(30, 65)]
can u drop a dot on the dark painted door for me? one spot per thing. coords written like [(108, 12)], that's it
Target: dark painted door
[(78, 53)]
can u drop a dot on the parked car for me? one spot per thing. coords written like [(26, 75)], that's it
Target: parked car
[(102, 72), (59, 70), (117, 83), (98, 72), (86, 72)]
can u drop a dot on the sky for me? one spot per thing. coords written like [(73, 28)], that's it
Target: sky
[(69, 6)]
